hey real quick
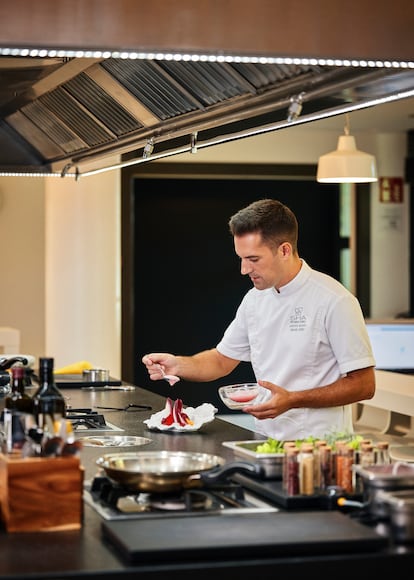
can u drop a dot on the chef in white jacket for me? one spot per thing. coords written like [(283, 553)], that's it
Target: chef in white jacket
[(302, 331)]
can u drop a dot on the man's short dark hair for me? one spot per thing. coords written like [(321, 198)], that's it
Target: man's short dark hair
[(272, 219)]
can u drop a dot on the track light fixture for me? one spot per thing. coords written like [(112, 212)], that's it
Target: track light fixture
[(193, 142), (149, 148), (295, 107)]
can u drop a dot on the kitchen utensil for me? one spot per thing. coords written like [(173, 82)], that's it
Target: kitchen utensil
[(241, 395), (95, 375), (128, 408), (392, 477), (401, 512), (167, 471), (113, 441), (53, 447), (259, 537), (171, 379), (271, 463), (6, 362)]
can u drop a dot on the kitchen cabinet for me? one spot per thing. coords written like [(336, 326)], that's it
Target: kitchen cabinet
[(86, 553)]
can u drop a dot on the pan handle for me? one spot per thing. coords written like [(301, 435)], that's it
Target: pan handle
[(217, 474)]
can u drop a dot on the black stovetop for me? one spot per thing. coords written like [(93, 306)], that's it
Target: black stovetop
[(115, 502)]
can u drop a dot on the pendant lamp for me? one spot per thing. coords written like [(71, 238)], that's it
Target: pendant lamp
[(347, 164)]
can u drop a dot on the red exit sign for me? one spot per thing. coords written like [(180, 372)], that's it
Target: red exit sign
[(391, 189)]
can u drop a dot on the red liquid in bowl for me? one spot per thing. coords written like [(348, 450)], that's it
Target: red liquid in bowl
[(243, 396)]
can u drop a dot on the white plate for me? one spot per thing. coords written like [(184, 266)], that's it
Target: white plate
[(200, 416), (171, 429)]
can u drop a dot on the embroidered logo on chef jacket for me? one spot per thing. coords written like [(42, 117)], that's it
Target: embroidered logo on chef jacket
[(297, 321)]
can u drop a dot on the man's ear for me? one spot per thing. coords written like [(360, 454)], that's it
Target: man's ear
[(286, 249)]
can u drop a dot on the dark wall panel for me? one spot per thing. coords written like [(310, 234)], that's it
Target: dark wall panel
[(187, 281)]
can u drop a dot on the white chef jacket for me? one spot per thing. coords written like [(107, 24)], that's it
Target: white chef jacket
[(307, 335)]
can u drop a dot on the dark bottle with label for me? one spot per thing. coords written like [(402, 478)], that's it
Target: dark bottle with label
[(49, 405), (18, 411)]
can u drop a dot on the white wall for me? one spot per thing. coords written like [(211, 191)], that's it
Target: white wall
[(83, 298), (390, 231), (60, 243), (22, 247)]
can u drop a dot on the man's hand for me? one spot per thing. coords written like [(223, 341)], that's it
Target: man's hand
[(159, 364)]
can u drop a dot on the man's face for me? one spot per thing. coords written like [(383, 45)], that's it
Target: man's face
[(263, 265)]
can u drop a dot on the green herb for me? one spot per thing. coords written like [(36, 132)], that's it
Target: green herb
[(275, 446), (270, 446)]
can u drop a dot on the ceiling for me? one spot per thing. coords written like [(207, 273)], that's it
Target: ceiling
[(64, 114)]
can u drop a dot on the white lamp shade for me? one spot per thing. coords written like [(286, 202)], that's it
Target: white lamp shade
[(346, 164)]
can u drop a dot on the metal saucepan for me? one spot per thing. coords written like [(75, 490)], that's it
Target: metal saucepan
[(386, 478), (169, 471), (401, 511)]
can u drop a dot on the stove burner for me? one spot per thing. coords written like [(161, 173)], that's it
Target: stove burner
[(85, 419), (187, 501)]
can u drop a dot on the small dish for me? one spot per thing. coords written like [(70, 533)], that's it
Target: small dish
[(200, 415), (240, 395)]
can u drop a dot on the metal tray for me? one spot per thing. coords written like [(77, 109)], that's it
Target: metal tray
[(113, 441), (272, 463)]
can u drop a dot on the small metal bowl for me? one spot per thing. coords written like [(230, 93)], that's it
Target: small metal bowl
[(95, 375)]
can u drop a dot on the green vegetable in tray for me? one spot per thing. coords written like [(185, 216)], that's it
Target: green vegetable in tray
[(270, 446), (276, 446)]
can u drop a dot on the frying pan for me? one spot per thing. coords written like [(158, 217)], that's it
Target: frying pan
[(169, 471)]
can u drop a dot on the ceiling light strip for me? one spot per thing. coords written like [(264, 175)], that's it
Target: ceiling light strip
[(203, 57), (34, 174)]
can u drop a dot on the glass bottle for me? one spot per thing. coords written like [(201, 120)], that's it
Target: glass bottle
[(325, 460), (319, 445), (366, 458), (339, 459), (287, 446), (291, 483), (382, 453), (49, 405), (306, 470), (18, 409), (345, 474), (366, 455)]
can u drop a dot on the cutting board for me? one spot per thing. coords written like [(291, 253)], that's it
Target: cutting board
[(239, 536)]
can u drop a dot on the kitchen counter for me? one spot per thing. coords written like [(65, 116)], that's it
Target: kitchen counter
[(86, 554)]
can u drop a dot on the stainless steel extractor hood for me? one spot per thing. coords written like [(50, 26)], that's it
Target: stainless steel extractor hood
[(63, 115)]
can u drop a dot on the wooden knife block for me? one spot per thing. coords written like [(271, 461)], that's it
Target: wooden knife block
[(41, 494)]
